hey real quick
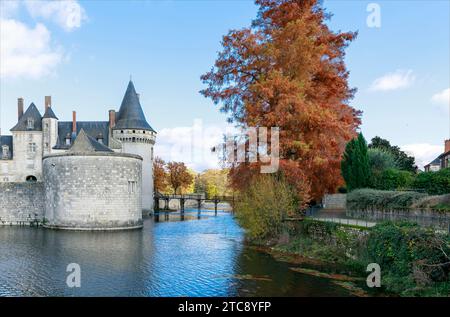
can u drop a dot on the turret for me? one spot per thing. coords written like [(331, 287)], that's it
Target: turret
[(49, 127), (137, 137)]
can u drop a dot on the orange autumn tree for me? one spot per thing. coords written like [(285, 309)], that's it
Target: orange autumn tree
[(287, 70), (160, 176), (178, 176)]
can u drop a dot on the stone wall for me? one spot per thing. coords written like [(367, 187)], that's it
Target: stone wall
[(21, 203), (424, 217), (140, 142), (334, 201), (99, 191)]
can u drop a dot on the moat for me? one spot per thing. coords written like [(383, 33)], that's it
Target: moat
[(196, 257)]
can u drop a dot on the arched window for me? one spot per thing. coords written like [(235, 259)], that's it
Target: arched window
[(31, 179)]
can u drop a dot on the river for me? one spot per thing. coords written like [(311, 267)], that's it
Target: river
[(196, 257)]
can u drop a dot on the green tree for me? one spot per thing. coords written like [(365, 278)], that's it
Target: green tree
[(264, 204), (434, 183), (355, 164), (402, 160), (393, 179)]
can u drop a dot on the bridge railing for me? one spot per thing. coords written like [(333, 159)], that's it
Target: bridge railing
[(195, 197)]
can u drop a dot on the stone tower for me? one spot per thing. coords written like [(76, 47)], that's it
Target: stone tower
[(137, 137), (49, 127), (27, 144)]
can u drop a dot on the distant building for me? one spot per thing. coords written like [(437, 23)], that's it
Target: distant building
[(442, 161)]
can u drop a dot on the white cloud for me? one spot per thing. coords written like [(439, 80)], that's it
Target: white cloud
[(393, 81), (191, 145), (443, 99), (68, 14), (26, 52), (423, 152)]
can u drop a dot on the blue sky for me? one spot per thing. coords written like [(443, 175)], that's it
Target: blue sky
[(83, 53)]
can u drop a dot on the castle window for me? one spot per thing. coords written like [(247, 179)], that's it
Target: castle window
[(121, 131), (68, 139), (46, 146), (5, 152), (32, 148), (31, 179), (134, 131), (30, 123), (100, 138), (132, 187)]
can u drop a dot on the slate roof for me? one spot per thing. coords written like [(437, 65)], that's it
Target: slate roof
[(92, 128), (6, 140), (87, 144), (33, 113), (49, 114), (443, 155), (130, 114)]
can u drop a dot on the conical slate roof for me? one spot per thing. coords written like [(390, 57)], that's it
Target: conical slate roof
[(31, 113), (86, 144), (130, 114), (49, 114)]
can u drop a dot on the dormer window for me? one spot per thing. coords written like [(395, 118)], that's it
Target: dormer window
[(5, 152), (100, 138), (68, 138), (30, 123)]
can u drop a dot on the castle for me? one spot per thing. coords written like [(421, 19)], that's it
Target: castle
[(78, 174)]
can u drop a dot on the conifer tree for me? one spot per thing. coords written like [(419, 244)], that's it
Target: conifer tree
[(355, 164)]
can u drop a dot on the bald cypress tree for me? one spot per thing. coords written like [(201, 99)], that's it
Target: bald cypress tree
[(355, 164)]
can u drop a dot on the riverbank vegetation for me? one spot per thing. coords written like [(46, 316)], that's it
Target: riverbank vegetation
[(414, 261), (264, 205), (372, 199)]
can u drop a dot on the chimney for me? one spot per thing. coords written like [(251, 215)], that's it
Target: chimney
[(19, 107), (74, 122), (48, 102), (112, 118), (447, 146)]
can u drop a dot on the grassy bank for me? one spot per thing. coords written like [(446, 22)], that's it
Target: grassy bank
[(413, 260)]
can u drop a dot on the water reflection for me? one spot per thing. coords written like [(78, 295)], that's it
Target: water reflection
[(168, 257)]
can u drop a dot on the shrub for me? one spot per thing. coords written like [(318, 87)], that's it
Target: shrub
[(263, 206), (381, 199), (410, 257), (439, 202), (392, 179), (434, 183)]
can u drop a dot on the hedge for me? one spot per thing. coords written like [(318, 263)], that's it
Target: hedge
[(366, 198)]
